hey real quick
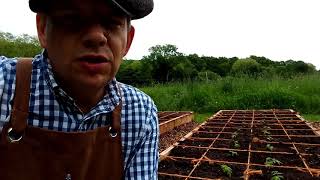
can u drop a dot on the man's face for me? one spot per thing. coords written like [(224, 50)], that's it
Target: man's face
[(85, 41)]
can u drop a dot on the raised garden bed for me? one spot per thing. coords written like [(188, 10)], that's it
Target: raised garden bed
[(169, 120), (256, 144), (170, 137)]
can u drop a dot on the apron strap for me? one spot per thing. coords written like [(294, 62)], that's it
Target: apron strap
[(116, 113), (116, 118), (20, 110)]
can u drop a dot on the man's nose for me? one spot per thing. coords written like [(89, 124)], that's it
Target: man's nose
[(95, 36)]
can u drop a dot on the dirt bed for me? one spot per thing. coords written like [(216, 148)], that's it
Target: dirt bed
[(169, 138), (316, 125)]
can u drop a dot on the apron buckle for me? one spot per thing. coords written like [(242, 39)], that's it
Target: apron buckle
[(13, 136), (112, 132)]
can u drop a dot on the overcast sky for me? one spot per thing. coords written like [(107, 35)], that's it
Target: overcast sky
[(276, 29)]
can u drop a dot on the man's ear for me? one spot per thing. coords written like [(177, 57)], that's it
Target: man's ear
[(130, 36), (41, 29)]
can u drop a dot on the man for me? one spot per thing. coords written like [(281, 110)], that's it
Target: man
[(65, 116)]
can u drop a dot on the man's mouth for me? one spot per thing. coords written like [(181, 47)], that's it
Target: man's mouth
[(94, 59), (94, 63)]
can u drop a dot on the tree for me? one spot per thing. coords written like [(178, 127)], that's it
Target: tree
[(300, 67), (183, 69), (198, 63), (246, 66), (162, 58), (160, 51), (134, 72), (262, 60), (18, 46)]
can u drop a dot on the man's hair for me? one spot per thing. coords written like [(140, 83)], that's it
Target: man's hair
[(128, 23)]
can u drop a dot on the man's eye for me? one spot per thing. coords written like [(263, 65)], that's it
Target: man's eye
[(72, 19), (62, 20), (112, 24), (68, 22)]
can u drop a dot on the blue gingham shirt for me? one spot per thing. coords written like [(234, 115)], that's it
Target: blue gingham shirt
[(50, 107)]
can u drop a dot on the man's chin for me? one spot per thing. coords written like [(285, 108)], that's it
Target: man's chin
[(92, 83)]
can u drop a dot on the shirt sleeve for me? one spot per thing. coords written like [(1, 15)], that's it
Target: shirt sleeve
[(144, 165), (1, 75), (7, 77)]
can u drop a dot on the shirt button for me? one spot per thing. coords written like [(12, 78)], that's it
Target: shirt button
[(68, 177)]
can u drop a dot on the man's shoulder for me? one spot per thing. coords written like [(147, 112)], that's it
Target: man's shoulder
[(7, 69), (7, 63), (7, 80), (139, 105)]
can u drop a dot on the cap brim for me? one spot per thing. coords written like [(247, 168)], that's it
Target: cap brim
[(134, 9)]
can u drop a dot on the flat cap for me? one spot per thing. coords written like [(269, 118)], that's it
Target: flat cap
[(135, 9)]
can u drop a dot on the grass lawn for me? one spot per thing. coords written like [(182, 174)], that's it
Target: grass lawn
[(311, 117), (200, 118), (300, 93)]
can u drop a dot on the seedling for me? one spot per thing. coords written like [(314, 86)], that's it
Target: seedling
[(276, 175), (233, 153), (234, 135), (266, 132), (269, 138), (269, 147), (226, 170), (266, 128), (236, 144), (271, 162)]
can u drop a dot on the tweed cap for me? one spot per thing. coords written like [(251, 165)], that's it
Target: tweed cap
[(135, 9)]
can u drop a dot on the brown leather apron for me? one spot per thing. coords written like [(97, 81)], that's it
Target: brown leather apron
[(28, 152)]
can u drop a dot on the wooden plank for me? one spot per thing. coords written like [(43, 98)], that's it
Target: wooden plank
[(175, 122)]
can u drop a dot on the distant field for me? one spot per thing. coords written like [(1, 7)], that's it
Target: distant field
[(301, 94)]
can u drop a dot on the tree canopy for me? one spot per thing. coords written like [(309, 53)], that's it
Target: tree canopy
[(166, 64)]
